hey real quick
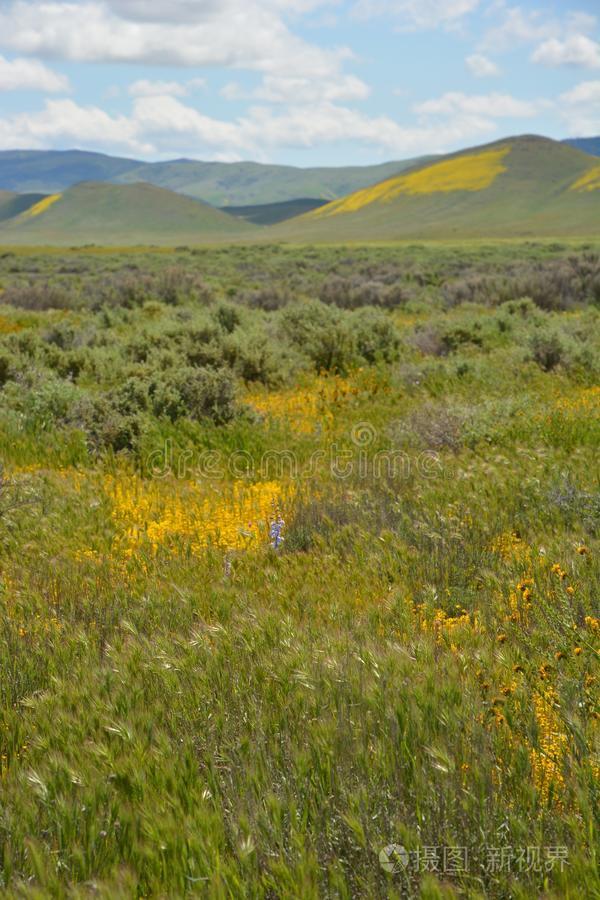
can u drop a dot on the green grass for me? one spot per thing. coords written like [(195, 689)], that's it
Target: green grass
[(417, 664)]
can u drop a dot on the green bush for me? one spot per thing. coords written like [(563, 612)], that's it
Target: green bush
[(374, 334), (318, 332), (43, 400), (548, 349), (106, 427)]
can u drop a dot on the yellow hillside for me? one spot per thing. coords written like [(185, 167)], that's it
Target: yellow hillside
[(41, 207), (473, 172), (590, 181)]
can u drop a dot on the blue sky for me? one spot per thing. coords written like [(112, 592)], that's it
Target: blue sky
[(303, 82)]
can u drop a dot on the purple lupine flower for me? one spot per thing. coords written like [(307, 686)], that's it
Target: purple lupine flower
[(276, 532)]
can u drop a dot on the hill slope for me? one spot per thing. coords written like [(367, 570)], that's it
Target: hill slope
[(221, 184), (272, 213), (588, 145), (12, 204), (516, 187), (120, 215), (249, 183)]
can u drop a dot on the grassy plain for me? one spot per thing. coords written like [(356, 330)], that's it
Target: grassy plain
[(186, 710)]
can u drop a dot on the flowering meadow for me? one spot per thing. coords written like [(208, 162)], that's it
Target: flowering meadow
[(299, 572)]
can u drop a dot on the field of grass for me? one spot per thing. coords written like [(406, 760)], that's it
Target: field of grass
[(299, 561)]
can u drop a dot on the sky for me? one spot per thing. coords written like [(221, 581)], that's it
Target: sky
[(297, 82)]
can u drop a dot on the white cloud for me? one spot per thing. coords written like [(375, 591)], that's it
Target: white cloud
[(63, 122), (517, 26), (580, 109), (249, 34), (298, 90), (576, 50), (163, 126), (418, 13), (146, 88), (167, 122), (586, 92), (30, 75), (482, 67), (493, 106)]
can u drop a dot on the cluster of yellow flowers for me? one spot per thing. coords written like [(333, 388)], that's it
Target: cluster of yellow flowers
[(172, 514), (38, 208), (305, 408), (547, 762), (582, 402), (8, 326), (511, 547), (589, 181), (473, 172)]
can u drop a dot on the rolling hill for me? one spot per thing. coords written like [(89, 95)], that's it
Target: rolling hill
[(221, 184), (522, 186), (124, 215), (12, 204), (588, 145), (272, 213)]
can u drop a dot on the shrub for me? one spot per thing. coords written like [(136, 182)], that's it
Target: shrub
[(268, 298), (374, 335), (437, 427), (42, 399), (203, 345), (547, 349), (253, 357), (208, 394), (444, 339), (317, 332), (6, 368), (68, 364), (356, 292), (105, 426), (39, 296), (551, 284), (227, 316)]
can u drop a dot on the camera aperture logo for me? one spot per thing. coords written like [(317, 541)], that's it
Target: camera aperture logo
[(394, 858)]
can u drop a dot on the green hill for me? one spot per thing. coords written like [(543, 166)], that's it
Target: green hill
[(249, 183), (12, 204), (588, 145), (221, 184), (92, 213), (272, 213), (522, 186)]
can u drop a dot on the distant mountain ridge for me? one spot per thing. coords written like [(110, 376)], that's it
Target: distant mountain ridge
[(588, 145), (220, 184)]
